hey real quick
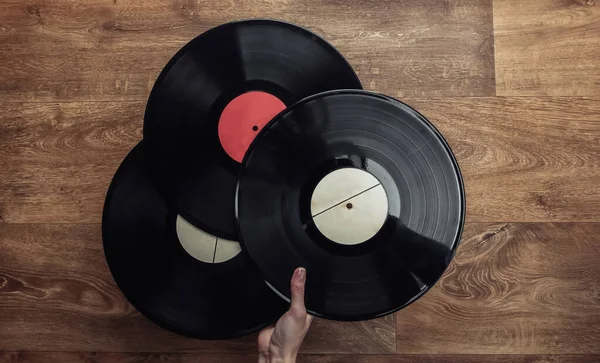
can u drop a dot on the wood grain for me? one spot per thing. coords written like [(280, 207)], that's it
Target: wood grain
[(523, 159), (57, 294), (529, 288), (456, 358), (74, 79), (101, 50), (82, 357), (547, 47), (57, 159)]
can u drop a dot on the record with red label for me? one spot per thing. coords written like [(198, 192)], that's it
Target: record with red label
[(213, 98)]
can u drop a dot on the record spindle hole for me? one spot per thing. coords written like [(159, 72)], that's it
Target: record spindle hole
[(349, 206), (203, 246), (243, 117)]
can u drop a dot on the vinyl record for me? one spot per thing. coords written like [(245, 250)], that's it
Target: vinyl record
[(145, 243), (379, 247), (214, 96)]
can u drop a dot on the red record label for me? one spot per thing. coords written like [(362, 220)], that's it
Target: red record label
[(243, 118)]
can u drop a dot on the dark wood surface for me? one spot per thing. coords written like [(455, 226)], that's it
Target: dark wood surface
[(57, 294), (76, 357), (71, 50), (513, 288), (514, 85), (547, 48), (523, 159)]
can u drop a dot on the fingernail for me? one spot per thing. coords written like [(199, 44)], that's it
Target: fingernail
[(302, 274)]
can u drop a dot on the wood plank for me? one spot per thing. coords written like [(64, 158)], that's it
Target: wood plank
[(57, 294), (102, 50), (457, 358), (513, 288), (57, 160), (83, 357), (523, 159), (547, 47)]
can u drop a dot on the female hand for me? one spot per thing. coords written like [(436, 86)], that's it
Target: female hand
[(281, 343)]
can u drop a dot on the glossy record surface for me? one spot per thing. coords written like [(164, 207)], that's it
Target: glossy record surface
[(391, 141), (163, 282), (181, 120)]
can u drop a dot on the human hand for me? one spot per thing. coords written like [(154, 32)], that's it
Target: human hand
[(282, 342)]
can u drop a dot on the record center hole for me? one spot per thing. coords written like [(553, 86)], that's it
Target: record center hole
[(255, 128), (348, 189)]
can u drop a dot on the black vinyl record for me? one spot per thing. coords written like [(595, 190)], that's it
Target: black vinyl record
[(165, 283), (181, 123), (370, 132)]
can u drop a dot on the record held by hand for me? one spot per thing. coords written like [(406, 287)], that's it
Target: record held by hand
[(178, 276), (359, 189), (215, 95)]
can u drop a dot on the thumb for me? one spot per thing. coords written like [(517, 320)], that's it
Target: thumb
[(297, 308)]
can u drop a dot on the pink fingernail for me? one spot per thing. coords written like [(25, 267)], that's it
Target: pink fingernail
[(302, 273)]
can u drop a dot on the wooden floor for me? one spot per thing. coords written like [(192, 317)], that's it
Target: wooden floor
[(514, 85)]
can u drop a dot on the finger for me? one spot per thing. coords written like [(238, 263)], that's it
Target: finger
[(263, 358), (264, 341), (297, 284), (309, 320)]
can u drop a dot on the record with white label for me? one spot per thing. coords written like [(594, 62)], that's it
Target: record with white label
[(182, 278), (362, 191)]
